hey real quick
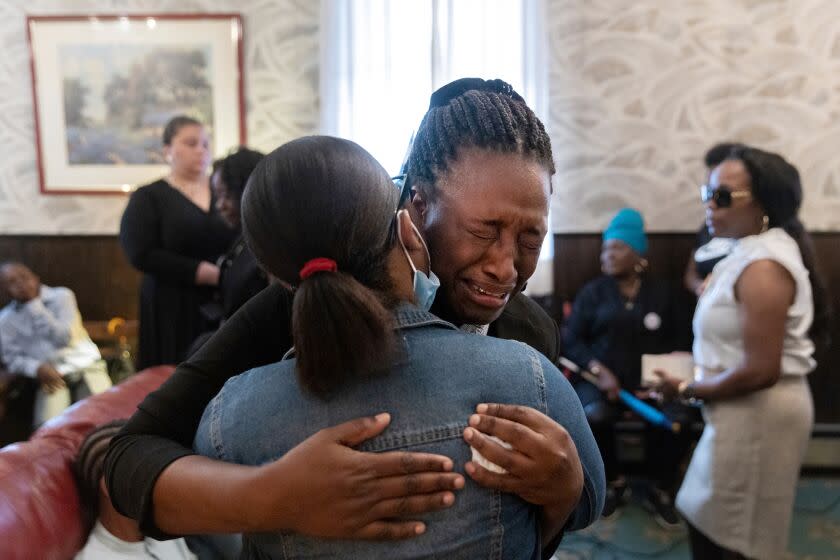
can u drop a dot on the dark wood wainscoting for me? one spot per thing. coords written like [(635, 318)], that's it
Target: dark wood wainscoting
[(94, 267), (576, 262), (106, 286)]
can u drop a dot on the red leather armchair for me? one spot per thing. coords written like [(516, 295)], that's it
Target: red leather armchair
[(39, 504)]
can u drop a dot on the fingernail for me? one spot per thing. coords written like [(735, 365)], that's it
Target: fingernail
[(448, 499), (475, 420), (468, 434), (481, 409), (459, 483), (383, 417), (470, 468), (419, 529), (447, 465)]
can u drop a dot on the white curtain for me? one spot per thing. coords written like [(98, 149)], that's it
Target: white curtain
[(382, 59)]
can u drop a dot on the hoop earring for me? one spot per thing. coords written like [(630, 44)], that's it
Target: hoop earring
[(765, 223)]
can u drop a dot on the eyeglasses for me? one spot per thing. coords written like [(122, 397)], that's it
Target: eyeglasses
[(403, 187), (722, 196)]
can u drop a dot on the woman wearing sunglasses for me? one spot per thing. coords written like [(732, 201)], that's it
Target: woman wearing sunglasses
[(708, 250), (753, 331)]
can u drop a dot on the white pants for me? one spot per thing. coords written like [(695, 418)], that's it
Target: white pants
[(48, 405)]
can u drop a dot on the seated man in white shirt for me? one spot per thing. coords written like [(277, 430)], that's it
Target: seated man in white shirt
[(113, 536), (41, 336)]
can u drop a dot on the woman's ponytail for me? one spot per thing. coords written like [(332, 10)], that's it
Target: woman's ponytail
[(820, 331), (318, 213), (341, 330)]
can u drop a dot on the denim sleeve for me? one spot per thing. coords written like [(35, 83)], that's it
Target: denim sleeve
[(208, 436), (565, 408)]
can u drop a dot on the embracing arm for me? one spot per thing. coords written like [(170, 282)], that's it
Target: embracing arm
[(362, 497), (554, 462), (161, 431), (153, 476)]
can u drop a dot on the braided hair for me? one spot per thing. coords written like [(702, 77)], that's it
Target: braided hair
[(472, 112), (88, 467)]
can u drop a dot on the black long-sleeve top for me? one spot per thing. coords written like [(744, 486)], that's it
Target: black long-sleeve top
[(603, 326), (164, 425), (165, 236)]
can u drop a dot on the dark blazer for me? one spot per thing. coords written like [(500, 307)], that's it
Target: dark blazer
[(524, 320)]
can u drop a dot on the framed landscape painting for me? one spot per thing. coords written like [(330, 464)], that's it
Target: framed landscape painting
[(104, 87)]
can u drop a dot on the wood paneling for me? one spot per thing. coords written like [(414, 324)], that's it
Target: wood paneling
[(576, 261), (94, 267)]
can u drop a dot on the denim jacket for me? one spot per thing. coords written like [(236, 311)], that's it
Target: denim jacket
[(432, 390)]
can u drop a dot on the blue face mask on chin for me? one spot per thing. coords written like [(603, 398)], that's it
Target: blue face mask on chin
[(425, 286)]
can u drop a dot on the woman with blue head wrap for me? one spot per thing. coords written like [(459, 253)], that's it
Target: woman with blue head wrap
[(628, 226), (616, 318)]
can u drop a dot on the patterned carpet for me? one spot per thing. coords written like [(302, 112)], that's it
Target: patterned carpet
[(633, 534)]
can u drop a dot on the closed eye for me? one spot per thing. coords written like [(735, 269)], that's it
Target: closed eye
[(531, 242), (487, 235)]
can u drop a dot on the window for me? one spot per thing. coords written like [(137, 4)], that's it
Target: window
[(382, 59)]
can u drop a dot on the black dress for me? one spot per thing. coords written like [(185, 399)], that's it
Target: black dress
[(165, 236)]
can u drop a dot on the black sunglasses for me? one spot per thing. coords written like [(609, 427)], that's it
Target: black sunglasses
[(722, 196)]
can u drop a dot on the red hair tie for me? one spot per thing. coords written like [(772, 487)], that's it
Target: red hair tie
[(317, 265)]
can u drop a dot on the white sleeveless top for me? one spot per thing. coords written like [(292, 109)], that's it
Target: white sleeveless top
[(718, 340)]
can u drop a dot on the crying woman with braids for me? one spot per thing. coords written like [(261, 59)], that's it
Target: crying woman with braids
[(322, 214), (477, 189)]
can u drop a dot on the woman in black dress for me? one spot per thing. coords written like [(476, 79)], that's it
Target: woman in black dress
[(171, 232)]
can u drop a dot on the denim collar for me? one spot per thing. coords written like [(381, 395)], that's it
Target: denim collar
[(409, 316)]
